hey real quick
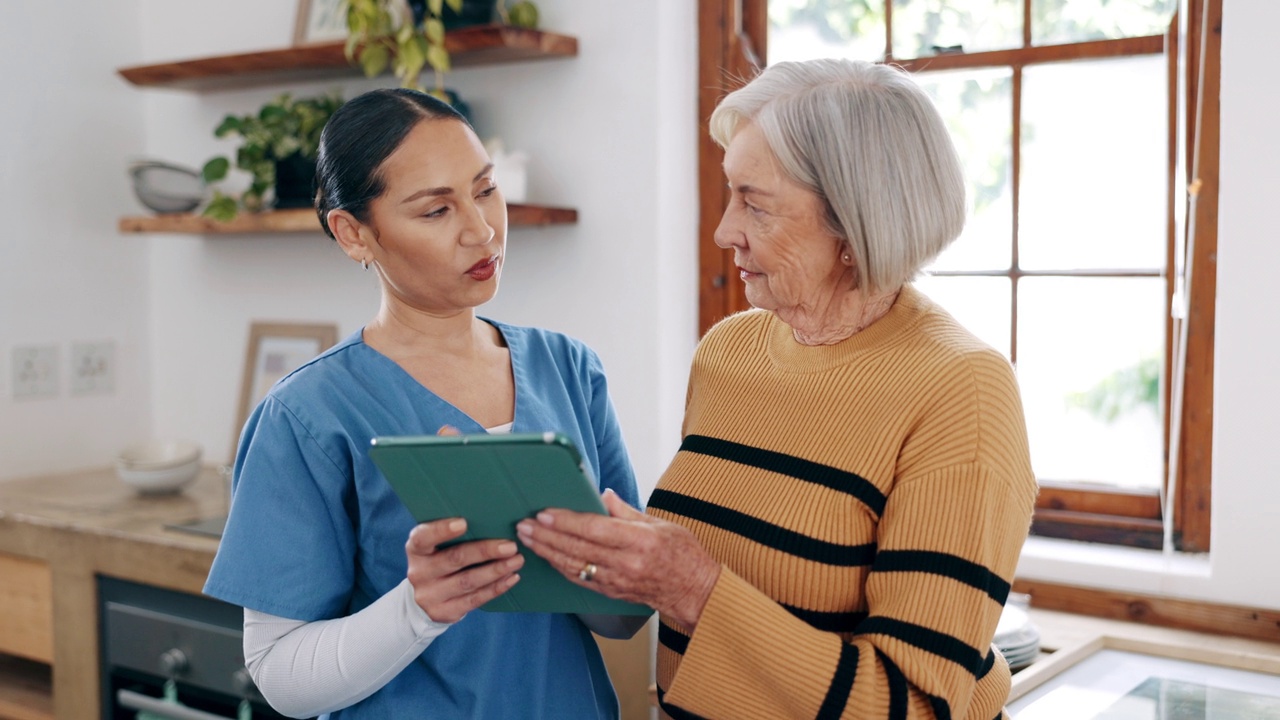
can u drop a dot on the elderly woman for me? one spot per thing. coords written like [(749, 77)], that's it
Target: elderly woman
[(837, 534)]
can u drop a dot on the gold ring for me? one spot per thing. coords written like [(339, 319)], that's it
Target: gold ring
[(587, 572)]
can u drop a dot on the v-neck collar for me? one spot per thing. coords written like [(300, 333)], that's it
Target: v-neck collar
[(459, 419)]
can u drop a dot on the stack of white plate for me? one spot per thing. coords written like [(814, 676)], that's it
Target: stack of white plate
[(1017, 638)]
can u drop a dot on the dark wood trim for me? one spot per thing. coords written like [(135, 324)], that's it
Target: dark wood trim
[(1193, 507), (1026, 22), (713, 272), (1108, 529), (1146, 45), (727, 58), (303, 220), (1103, 500), (473, 46), (1236, 620)]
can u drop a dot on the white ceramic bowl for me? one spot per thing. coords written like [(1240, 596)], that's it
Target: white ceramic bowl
[(159, 466)]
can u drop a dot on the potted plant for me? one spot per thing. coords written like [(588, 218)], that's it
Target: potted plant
[(379, 36), (278, 150)]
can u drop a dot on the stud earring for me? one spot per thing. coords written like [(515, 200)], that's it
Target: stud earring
[(847, 260)]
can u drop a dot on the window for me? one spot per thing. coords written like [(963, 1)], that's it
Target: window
[(1072, 122)]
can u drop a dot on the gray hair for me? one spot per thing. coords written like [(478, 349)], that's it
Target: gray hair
[(867, 140)]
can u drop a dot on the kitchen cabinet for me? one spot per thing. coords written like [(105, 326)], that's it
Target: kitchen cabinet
[(468, 47), (61, 532)]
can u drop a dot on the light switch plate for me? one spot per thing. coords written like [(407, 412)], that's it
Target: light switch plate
[(93, 368), (35, 371)]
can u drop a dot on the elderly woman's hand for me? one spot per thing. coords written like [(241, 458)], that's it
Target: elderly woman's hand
[(450, 582), (635, 557)]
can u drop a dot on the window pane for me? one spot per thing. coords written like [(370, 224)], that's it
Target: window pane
[(1094, 165), (809, 29), (981, 304), (1089, 357), (1066, 21), (978, 108), (925, 27)]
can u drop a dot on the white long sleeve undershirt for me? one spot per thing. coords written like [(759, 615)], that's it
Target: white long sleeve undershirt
[(305, 669)]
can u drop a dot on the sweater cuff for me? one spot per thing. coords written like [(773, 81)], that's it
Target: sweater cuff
[(749, 657)]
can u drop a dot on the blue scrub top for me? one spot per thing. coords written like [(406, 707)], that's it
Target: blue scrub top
[(315, 532)]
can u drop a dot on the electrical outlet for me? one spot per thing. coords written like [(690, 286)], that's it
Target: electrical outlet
[(93, 368), (35, 371)]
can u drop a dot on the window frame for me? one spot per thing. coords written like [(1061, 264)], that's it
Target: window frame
[(733, 35)]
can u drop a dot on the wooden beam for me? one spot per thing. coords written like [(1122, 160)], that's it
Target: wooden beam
[(1237, 620), (1146, 45)]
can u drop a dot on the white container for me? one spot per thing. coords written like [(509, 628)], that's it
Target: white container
[(159, 467), (510, 171)]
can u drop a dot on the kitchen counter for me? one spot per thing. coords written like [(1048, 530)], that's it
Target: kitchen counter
[(86, 524), (89, 523)]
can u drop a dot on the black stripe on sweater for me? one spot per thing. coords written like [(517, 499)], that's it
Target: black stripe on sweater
[(673, 711), (897, 688), (987, 663), (927, 639), (828, 621), (951, 566), (941, 710), (841, 684), (673, 640), (791, 466), (765, 533)]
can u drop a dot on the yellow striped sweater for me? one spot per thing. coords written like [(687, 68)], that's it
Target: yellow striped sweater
[(868, 502)]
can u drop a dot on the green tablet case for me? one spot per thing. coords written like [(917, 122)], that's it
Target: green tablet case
[(494, 481)]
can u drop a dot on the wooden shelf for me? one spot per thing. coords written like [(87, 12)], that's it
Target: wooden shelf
[(303, 220), (468, 47), (26, 689)]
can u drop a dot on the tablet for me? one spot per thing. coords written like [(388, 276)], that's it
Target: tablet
[(495, 481)]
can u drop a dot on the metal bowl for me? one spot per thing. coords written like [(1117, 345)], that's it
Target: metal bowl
[(167, 188)]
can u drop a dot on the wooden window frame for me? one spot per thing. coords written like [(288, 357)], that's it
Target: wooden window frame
[(733, 36)]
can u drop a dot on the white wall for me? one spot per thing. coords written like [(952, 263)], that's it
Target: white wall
[(1246, 456), (68, 127)]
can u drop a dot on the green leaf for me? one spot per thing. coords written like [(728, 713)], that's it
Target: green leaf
[(456, 5), (435, 32), (228, 125), (438, 57), (272, 112), (413, 55), (215, 169), (222, 208), (435, 7), (374, 60)]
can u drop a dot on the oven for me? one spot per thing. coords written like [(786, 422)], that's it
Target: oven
[(149, 636)]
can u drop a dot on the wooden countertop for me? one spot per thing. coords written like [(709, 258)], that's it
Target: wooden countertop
[(95, 503), (86, 524)]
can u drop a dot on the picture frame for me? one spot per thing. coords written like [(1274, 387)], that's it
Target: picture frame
[(274, 350), (320, 21), (1119, 678)]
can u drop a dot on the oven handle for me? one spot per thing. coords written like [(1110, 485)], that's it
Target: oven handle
[(138, 701)]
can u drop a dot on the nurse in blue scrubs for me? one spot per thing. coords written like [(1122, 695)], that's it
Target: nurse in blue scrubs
[(350, 610)]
